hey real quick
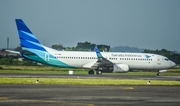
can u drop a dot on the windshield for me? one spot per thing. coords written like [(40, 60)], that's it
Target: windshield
[(166, 59)]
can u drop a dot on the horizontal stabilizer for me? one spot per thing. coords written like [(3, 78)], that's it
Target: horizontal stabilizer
[(9, 52)]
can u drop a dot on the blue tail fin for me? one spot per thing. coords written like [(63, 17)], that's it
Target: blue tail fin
[(27, 39), (32, 49)]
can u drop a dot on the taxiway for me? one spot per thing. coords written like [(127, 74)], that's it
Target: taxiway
[(73, 95), (175, 78)]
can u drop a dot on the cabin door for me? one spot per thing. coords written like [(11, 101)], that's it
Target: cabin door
[(46, 57), (158, 60)]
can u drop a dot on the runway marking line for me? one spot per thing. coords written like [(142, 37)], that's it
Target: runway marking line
[(128, 88), (54, 101), (4, 98)]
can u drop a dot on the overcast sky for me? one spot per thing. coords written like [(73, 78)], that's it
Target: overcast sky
[(151, 24)]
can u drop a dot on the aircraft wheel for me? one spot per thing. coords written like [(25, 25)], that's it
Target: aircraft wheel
[(91, 72), (158, 74), (98, 72)]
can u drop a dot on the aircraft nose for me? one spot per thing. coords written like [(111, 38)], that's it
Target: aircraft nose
[(173, 64)]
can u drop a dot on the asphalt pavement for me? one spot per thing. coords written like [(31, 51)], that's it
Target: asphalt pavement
[(175, 78), (73, 95)]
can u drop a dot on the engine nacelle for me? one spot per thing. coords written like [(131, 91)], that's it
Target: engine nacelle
[(120, 68)]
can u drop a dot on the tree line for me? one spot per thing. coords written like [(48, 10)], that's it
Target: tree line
[(13, 60), (82, 46), (172, 55), (87, 46)]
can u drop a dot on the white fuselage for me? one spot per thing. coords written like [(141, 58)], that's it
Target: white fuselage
[(142, 61)]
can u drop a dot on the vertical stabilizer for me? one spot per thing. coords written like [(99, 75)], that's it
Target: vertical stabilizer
[(27, 38), (32, 49)]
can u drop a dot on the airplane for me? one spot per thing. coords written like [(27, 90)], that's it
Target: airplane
[(105, 62)]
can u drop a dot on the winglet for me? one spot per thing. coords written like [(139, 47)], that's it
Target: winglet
[(97, 52)]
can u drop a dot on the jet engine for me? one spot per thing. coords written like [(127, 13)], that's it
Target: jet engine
[(120, 68)]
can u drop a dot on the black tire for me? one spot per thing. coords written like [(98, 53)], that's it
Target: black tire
[(91, 72), (158, 74), (98, 72)]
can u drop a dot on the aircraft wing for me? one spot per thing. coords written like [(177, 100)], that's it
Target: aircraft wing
[(9, 52), (101, 60)]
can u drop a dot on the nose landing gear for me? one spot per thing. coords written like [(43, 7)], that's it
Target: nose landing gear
[(158, 74)]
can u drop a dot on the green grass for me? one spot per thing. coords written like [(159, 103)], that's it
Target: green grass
[(39, 70), (79, 81), (55, 70)]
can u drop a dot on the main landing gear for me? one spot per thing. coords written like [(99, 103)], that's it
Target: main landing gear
[(91, 72), (98, 72)]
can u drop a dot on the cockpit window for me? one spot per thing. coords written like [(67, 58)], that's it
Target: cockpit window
[(166, 59)]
